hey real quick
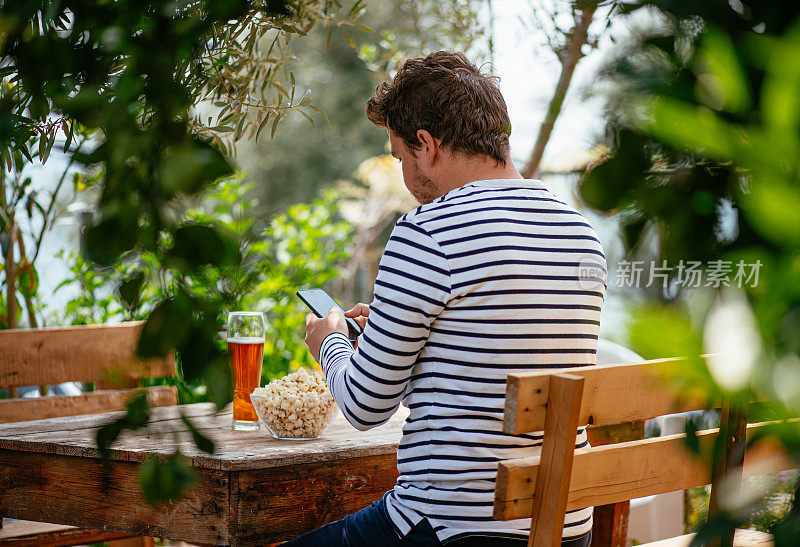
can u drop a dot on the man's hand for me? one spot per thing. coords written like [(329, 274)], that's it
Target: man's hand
[(318, 328), (360, 312)]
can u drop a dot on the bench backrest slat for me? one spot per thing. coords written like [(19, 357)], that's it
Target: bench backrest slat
[(612, 394), (623, 471), (96, 402), (90, 353)]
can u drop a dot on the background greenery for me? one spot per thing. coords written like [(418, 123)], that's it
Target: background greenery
[(703, 125), (343, 70)]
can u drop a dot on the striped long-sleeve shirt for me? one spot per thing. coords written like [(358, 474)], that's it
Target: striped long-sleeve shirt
[(481, 282)]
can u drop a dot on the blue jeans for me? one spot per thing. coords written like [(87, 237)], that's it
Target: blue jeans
[(371, 527)]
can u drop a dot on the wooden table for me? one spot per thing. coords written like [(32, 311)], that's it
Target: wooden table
[(253, 491)]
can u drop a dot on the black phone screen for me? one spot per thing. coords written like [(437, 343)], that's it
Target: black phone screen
[(321, 302)]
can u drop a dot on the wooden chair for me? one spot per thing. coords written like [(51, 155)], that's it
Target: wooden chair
[(103, 354), (563, 479)]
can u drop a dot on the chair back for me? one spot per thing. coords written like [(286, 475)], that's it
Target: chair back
[(563, 478), (103, 354)]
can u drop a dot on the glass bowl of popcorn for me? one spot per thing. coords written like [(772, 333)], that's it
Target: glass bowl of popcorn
[(297, 406)]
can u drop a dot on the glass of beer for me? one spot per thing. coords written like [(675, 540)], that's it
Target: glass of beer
[(246, 331)]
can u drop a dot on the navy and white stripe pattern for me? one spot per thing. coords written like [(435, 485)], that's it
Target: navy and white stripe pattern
[(479, 283)]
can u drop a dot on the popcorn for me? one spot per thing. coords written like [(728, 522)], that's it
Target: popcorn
[(297, 406)]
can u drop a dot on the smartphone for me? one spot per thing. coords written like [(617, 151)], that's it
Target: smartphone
[(321, 302)]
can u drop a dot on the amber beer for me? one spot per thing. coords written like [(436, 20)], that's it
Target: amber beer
[(246, 349), (246, 356)]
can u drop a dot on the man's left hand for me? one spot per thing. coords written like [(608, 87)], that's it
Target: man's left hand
[(318, 328)]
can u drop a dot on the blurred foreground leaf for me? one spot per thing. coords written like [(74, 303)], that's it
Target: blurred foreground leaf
[(137, 415), (203, 443), (165, 480)]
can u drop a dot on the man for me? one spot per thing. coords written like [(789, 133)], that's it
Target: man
[(481, 280)]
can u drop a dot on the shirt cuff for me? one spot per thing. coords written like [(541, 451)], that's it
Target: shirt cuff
[(331, 346)]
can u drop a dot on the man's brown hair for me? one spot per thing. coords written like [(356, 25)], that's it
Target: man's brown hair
[(448, 96)]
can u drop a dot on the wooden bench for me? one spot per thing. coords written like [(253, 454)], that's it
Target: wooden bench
[(103, 354), (563, 478)]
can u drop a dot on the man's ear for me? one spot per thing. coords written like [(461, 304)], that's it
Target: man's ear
[(431, 146)]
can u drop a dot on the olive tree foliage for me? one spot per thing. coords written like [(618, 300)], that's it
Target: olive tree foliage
[(247, 69), (704, 124), (413, 28), (342, 73), (129, 76)]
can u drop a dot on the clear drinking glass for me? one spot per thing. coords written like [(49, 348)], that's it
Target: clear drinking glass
[(246, 331)]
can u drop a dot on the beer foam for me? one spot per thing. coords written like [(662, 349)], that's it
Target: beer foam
[(246, 340)]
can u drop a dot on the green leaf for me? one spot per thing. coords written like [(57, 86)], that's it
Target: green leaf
[(607, 185), (663, 332), (772, 207), (166, 327), (362, 26), (281, 90), (106, 436), (45, 145), (197, 351), (130, 290), (138, 411), (191, 166), (196, 245), (689, 127), (779, 102), (350, 40), (219, 381), (262, 124), (275, 125), (355, 9), (725, 75), (105, 242), (320, 112), (239, 127), (203, 443), (137, 415), (7, 157), (309, 118), (164, 481), (24, 149), (692, 442), (28, 282)]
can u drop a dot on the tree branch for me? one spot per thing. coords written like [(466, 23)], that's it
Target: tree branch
[(53, 200), (28, 301), (569, 60), (11, 279)]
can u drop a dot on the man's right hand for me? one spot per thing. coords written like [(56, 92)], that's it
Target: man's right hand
[(359, 312)]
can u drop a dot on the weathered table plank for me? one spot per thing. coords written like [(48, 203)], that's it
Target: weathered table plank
[(254, 490), (280, 503), (71, 490), (24, 533), (235, 449)]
